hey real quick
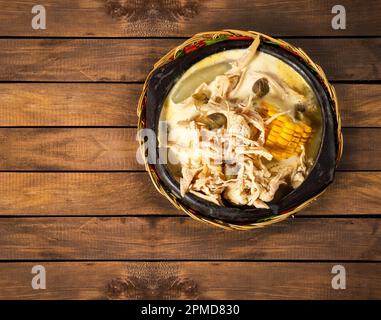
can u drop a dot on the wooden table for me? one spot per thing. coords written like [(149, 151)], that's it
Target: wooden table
[(74, 199)]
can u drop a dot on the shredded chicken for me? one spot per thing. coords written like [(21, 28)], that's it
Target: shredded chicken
[(231, 161)]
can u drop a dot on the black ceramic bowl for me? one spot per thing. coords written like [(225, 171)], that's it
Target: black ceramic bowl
[(321, 175)]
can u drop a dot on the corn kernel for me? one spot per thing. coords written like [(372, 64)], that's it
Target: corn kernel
[(284, 136)]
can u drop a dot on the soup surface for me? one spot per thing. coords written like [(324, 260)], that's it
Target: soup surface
[(240, 127)]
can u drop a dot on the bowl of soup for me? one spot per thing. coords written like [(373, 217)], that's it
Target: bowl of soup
[(246, 129)]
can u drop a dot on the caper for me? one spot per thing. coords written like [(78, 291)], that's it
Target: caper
[(299, 115), (299, 110), (300, 107), (216, 120), (261, 87), (200, 98)]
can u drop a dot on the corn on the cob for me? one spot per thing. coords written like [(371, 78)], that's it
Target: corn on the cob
[(284, 136)]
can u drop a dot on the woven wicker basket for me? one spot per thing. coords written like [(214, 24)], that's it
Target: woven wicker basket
[(210, 38)]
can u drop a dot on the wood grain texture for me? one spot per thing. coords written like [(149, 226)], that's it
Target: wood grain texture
[(131, 59), (190, 280), (116, 149), (181, 238), (359, 105), (128, 193), (362, 149), (58, 219), (100, 104), (68, 149), (80, 60), (56, 104), (183, 18)]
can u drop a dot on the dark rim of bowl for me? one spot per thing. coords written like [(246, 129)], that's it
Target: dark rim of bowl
[(322, 173)]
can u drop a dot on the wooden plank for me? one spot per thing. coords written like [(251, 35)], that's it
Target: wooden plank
[(57, 104), (183, 18), (124, 193), (80, 60), (116, 149), (190, 280), (181, 238), (360, 146), (359, 104), (351, 193), (131, 59), (128, 193), (68, 149), (66, 104)]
